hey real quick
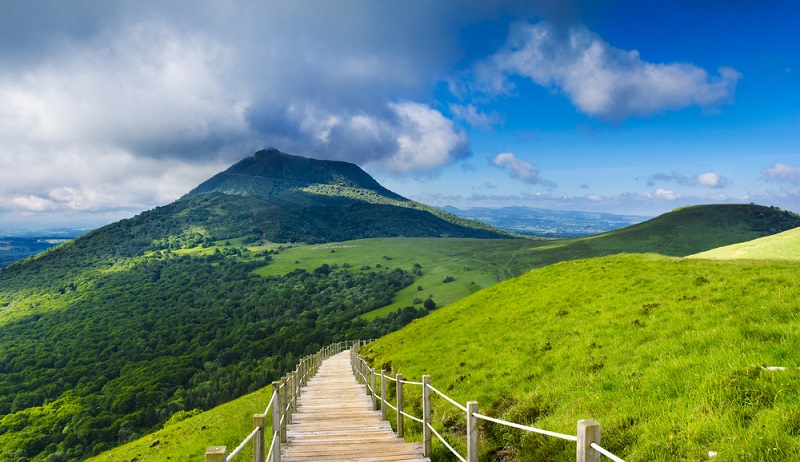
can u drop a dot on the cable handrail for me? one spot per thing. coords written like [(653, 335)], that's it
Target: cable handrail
[(390, 405), (266, 411), (526, 428), (415, 419), (241, 446), (605, 452), (408, 382), (588, 431), (446, 444), (448, 398), (275, 437)]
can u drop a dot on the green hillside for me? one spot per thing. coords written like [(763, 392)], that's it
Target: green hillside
[(682, 232), (782, 246), (297, 199), (190, 305), (666, 354)]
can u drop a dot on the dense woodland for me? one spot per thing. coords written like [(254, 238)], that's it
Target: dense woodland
[(168, 333)]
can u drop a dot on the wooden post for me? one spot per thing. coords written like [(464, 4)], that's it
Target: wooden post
[(296, 387), (374, 391), (258, 440), (276, 420), (289, 398), (367, 373), (383, 395), (473, 437), (399, 387), (284, 413), (426, 416), (215, 453), (588, 433)]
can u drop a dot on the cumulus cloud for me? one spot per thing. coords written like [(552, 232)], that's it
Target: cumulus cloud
[(473, 116), (705, 179), (781, 173), (601, 80), (411, 138), (206, 85), (519, 169)]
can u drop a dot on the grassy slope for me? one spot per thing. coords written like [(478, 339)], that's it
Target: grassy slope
[(476, 263), (664, 353), (782, 246), (225, 425), (666, 365)]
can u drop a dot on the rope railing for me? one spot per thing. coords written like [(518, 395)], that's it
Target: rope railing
[(447, 398), (587, 437), (283, 404), (527, 428), (244, 443), (446, 444), (605, 452)]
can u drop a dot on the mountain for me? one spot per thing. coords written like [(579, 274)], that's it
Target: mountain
[(105, 337), (296, 199), (273, 173), (547, 223)]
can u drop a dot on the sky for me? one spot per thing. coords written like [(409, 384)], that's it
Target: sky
[(108, 109)]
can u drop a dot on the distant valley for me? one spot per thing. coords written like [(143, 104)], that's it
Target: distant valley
[(546, 222), (19, 244)]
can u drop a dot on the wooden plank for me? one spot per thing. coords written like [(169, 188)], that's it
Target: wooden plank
[(335, 422)]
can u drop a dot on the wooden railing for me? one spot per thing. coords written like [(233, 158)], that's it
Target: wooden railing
[(283, 405), (587, 437)]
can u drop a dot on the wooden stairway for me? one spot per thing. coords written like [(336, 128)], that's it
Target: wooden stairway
[(335, 422)]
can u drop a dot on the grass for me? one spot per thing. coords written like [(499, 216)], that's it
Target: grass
[(666, 354), (472, 263), (187, 440), (782, 246)]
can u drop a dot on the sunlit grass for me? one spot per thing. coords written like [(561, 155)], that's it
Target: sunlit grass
[(782, 246), (666, 354), (225, 425)]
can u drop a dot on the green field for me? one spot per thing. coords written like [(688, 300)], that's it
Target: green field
[(472, 263), (666, 354), (187, 440), (782, 246)]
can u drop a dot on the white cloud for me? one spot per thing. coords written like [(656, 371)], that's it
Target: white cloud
[(149, 90), (519, 169), (33, 203), (411, 139), (471, 115), (666, 194), (705, 179), (599, 79), (781, 173), (427, 140), (103, 90)]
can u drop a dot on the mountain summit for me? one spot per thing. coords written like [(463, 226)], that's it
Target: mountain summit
[(279, 197), (270, 172)]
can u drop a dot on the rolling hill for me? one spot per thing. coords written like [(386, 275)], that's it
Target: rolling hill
[(666, 354), (781, 246), (189, 305)]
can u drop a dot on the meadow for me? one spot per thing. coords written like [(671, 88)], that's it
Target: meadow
[(669, 355)]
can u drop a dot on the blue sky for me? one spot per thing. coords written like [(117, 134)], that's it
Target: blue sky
[(634, 107)]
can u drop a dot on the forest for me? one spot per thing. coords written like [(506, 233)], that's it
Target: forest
[(108, 358)]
